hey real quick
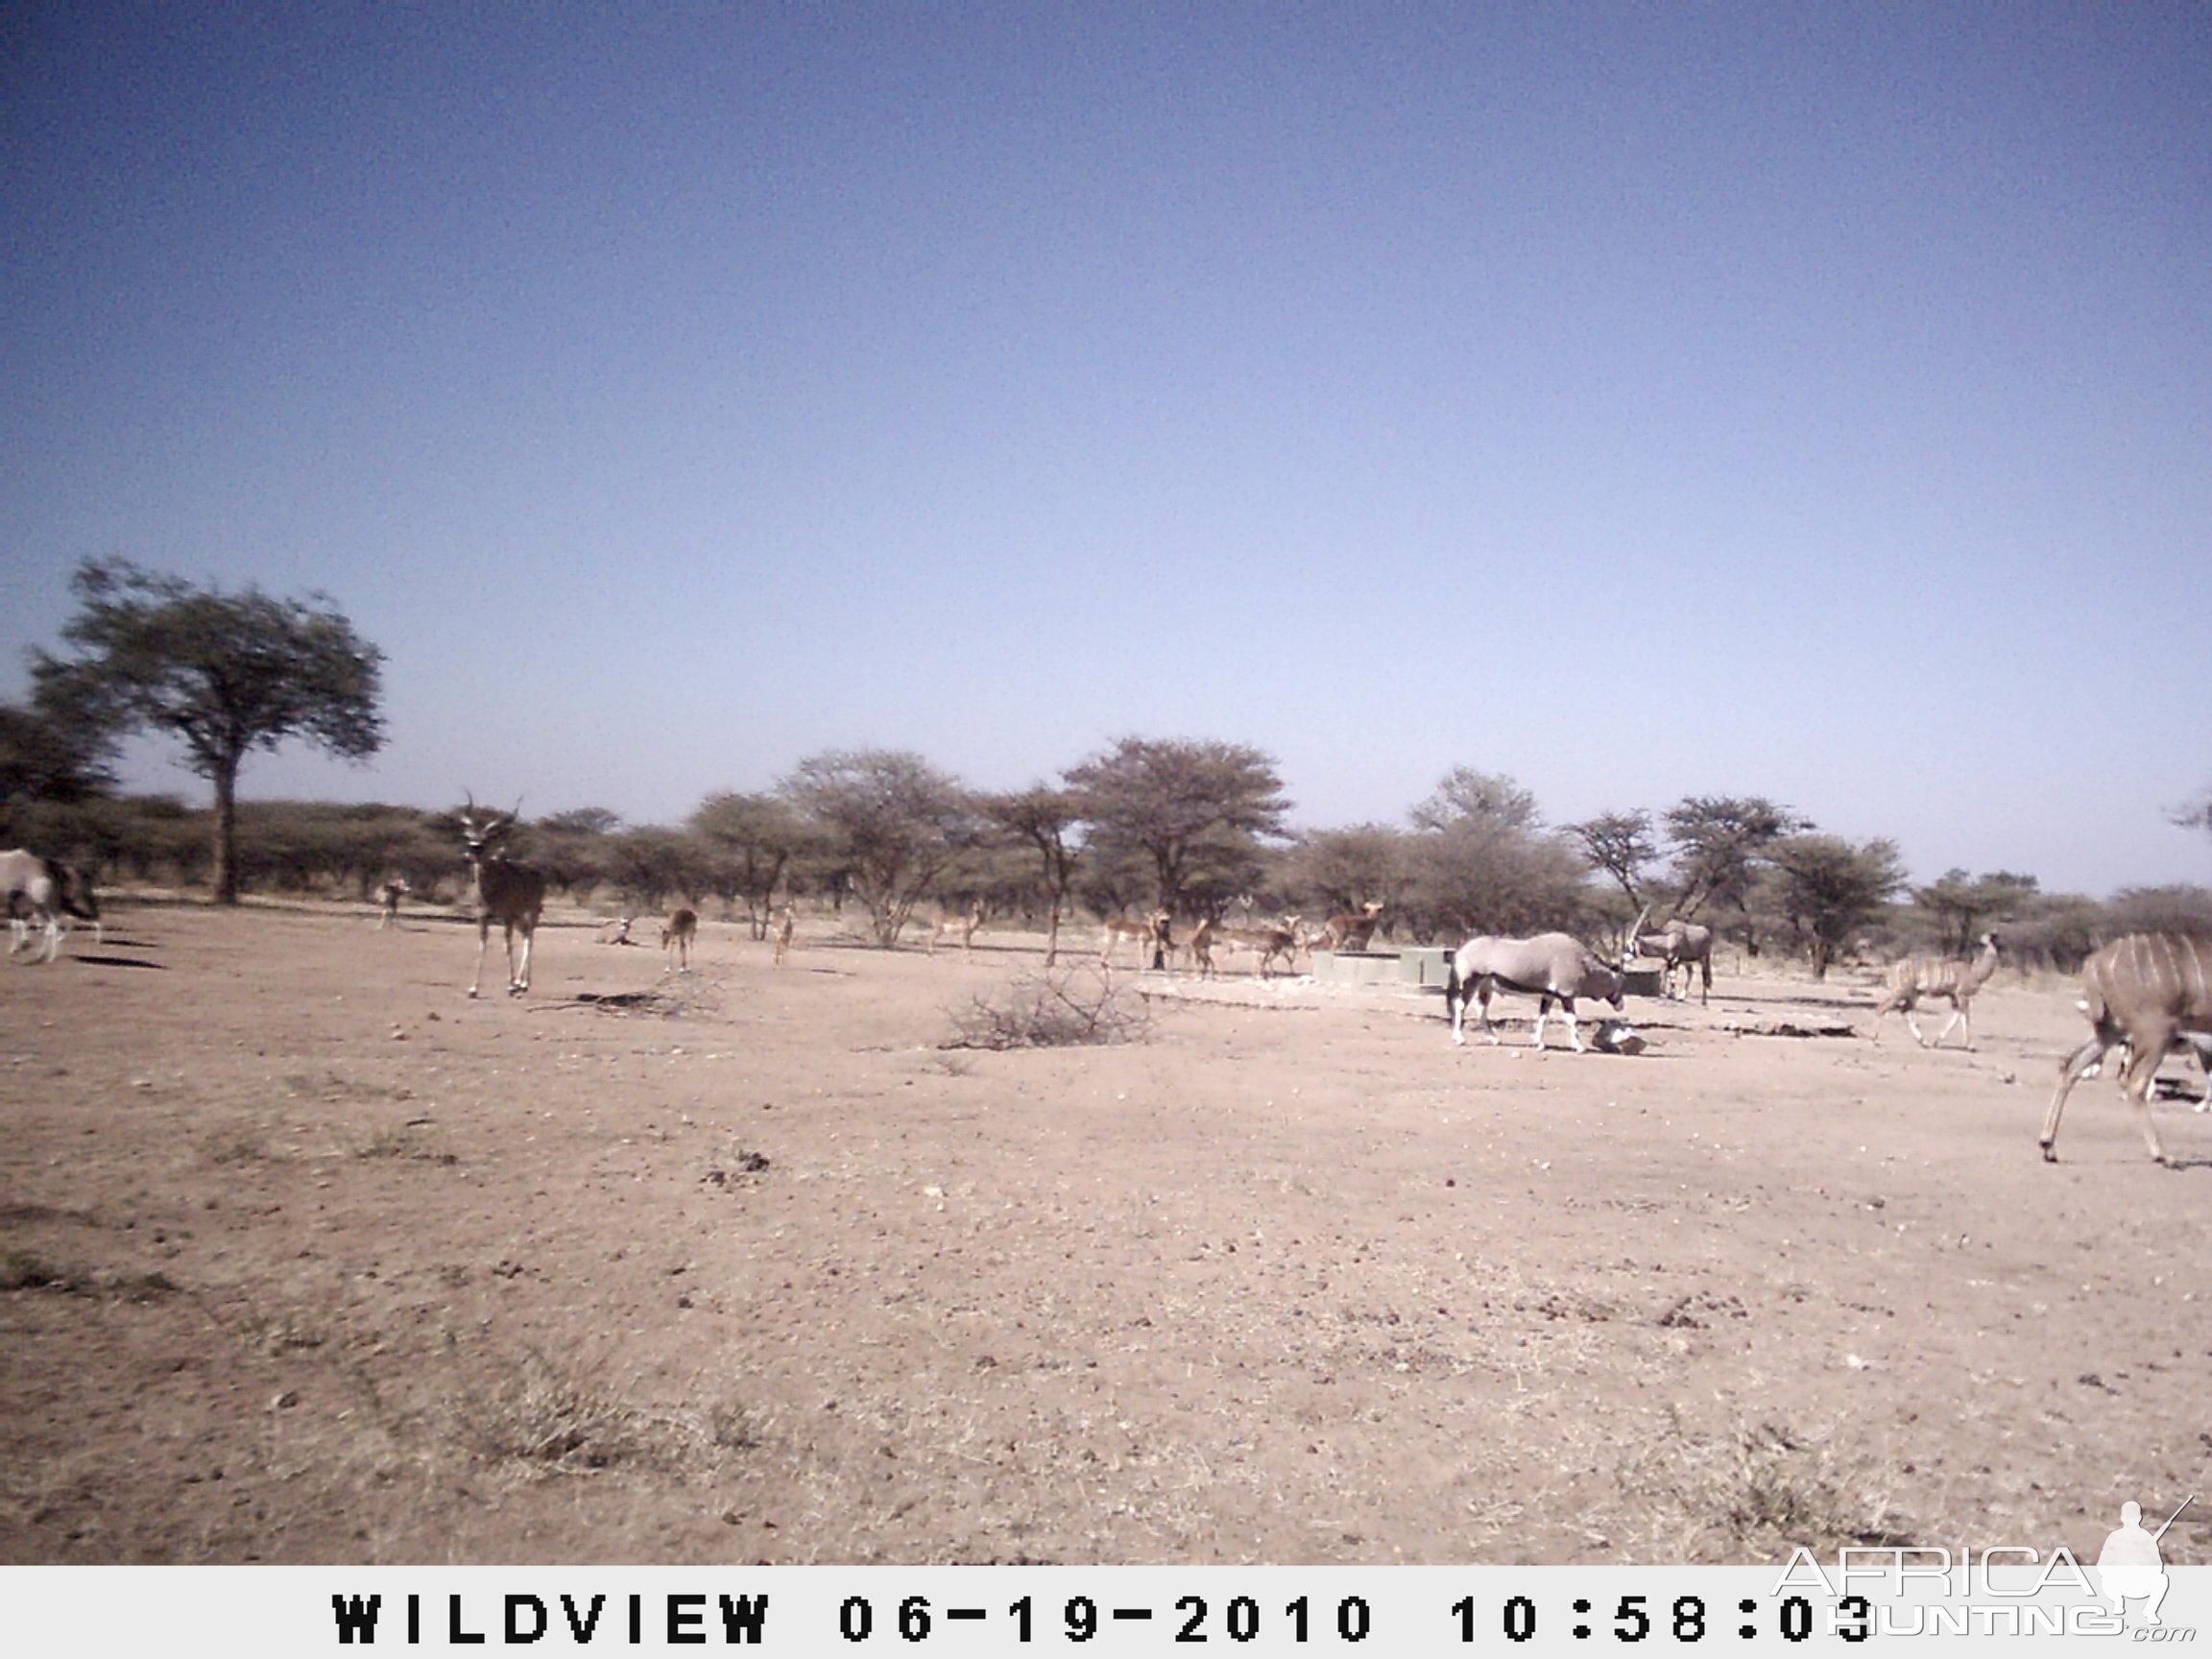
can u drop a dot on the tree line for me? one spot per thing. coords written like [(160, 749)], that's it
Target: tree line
[(1199, 827)]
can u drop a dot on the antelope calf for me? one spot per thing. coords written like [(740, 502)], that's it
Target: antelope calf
[(1945, 976), (2149, 993), (678, 935)]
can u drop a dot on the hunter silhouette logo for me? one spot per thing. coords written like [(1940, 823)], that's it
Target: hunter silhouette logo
[(2130, 1566)]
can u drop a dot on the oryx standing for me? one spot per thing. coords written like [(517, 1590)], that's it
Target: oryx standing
[(1680, 943), (1552, 968)]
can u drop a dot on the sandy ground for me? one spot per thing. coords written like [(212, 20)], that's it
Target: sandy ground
[(309, 1258)]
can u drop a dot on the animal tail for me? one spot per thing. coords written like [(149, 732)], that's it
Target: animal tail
[(1450, 984)]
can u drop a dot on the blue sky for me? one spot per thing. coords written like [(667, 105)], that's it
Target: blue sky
[(1641, 401)]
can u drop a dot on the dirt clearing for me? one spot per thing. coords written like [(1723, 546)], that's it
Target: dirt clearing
[(308, 1258)]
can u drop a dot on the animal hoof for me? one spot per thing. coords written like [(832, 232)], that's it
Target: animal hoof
[(2050, 1153)]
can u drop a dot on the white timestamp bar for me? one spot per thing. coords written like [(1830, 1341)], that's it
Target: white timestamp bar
[(1831, 1604)]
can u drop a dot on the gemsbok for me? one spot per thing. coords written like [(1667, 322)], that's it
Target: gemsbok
[(950, 923), (1945, 976), (1149, 933), (512, 895), (678, 935), (1680, 943), (1552, 968), (41, 891), (2149, 993)]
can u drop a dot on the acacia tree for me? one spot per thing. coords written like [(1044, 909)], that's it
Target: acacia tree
[(226, 673), (1621, 844), (1490, 797), (1341, 870), (896, 824), (749, 839), (1719, 842), (47, 772), (1191, 805), (574, 848), (1482, 861), (1959, 902), (1043, 819), (1828, 887)]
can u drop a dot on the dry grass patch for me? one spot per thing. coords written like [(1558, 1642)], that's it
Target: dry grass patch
[(536, 1414), (27, 1271), (409, 1141), (1758, 1491)]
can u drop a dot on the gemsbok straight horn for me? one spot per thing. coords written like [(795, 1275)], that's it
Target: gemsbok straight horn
[(512, 895), (2147, 993)]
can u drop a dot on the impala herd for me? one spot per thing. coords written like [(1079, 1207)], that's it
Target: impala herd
[(2145, 995)]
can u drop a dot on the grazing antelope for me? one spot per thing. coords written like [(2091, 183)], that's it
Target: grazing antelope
[(388, 897), (1552, 968), (41, 893), (2149, 993), (1947, 976), (1350, 932), (1680, 943), (512, 895), (678, 935), (1265, 943), (1148, 932), (950, 923)]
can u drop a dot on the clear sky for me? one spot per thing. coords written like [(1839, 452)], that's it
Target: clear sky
[(1644, 400)]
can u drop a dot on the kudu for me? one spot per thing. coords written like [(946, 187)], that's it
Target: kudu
[(678, 935), (1680, 943), (512, 895), (2149, 993), (1945, 976), (1552, 968), (41, 893)]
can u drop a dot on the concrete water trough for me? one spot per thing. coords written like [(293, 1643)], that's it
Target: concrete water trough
[(1416, 965)]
